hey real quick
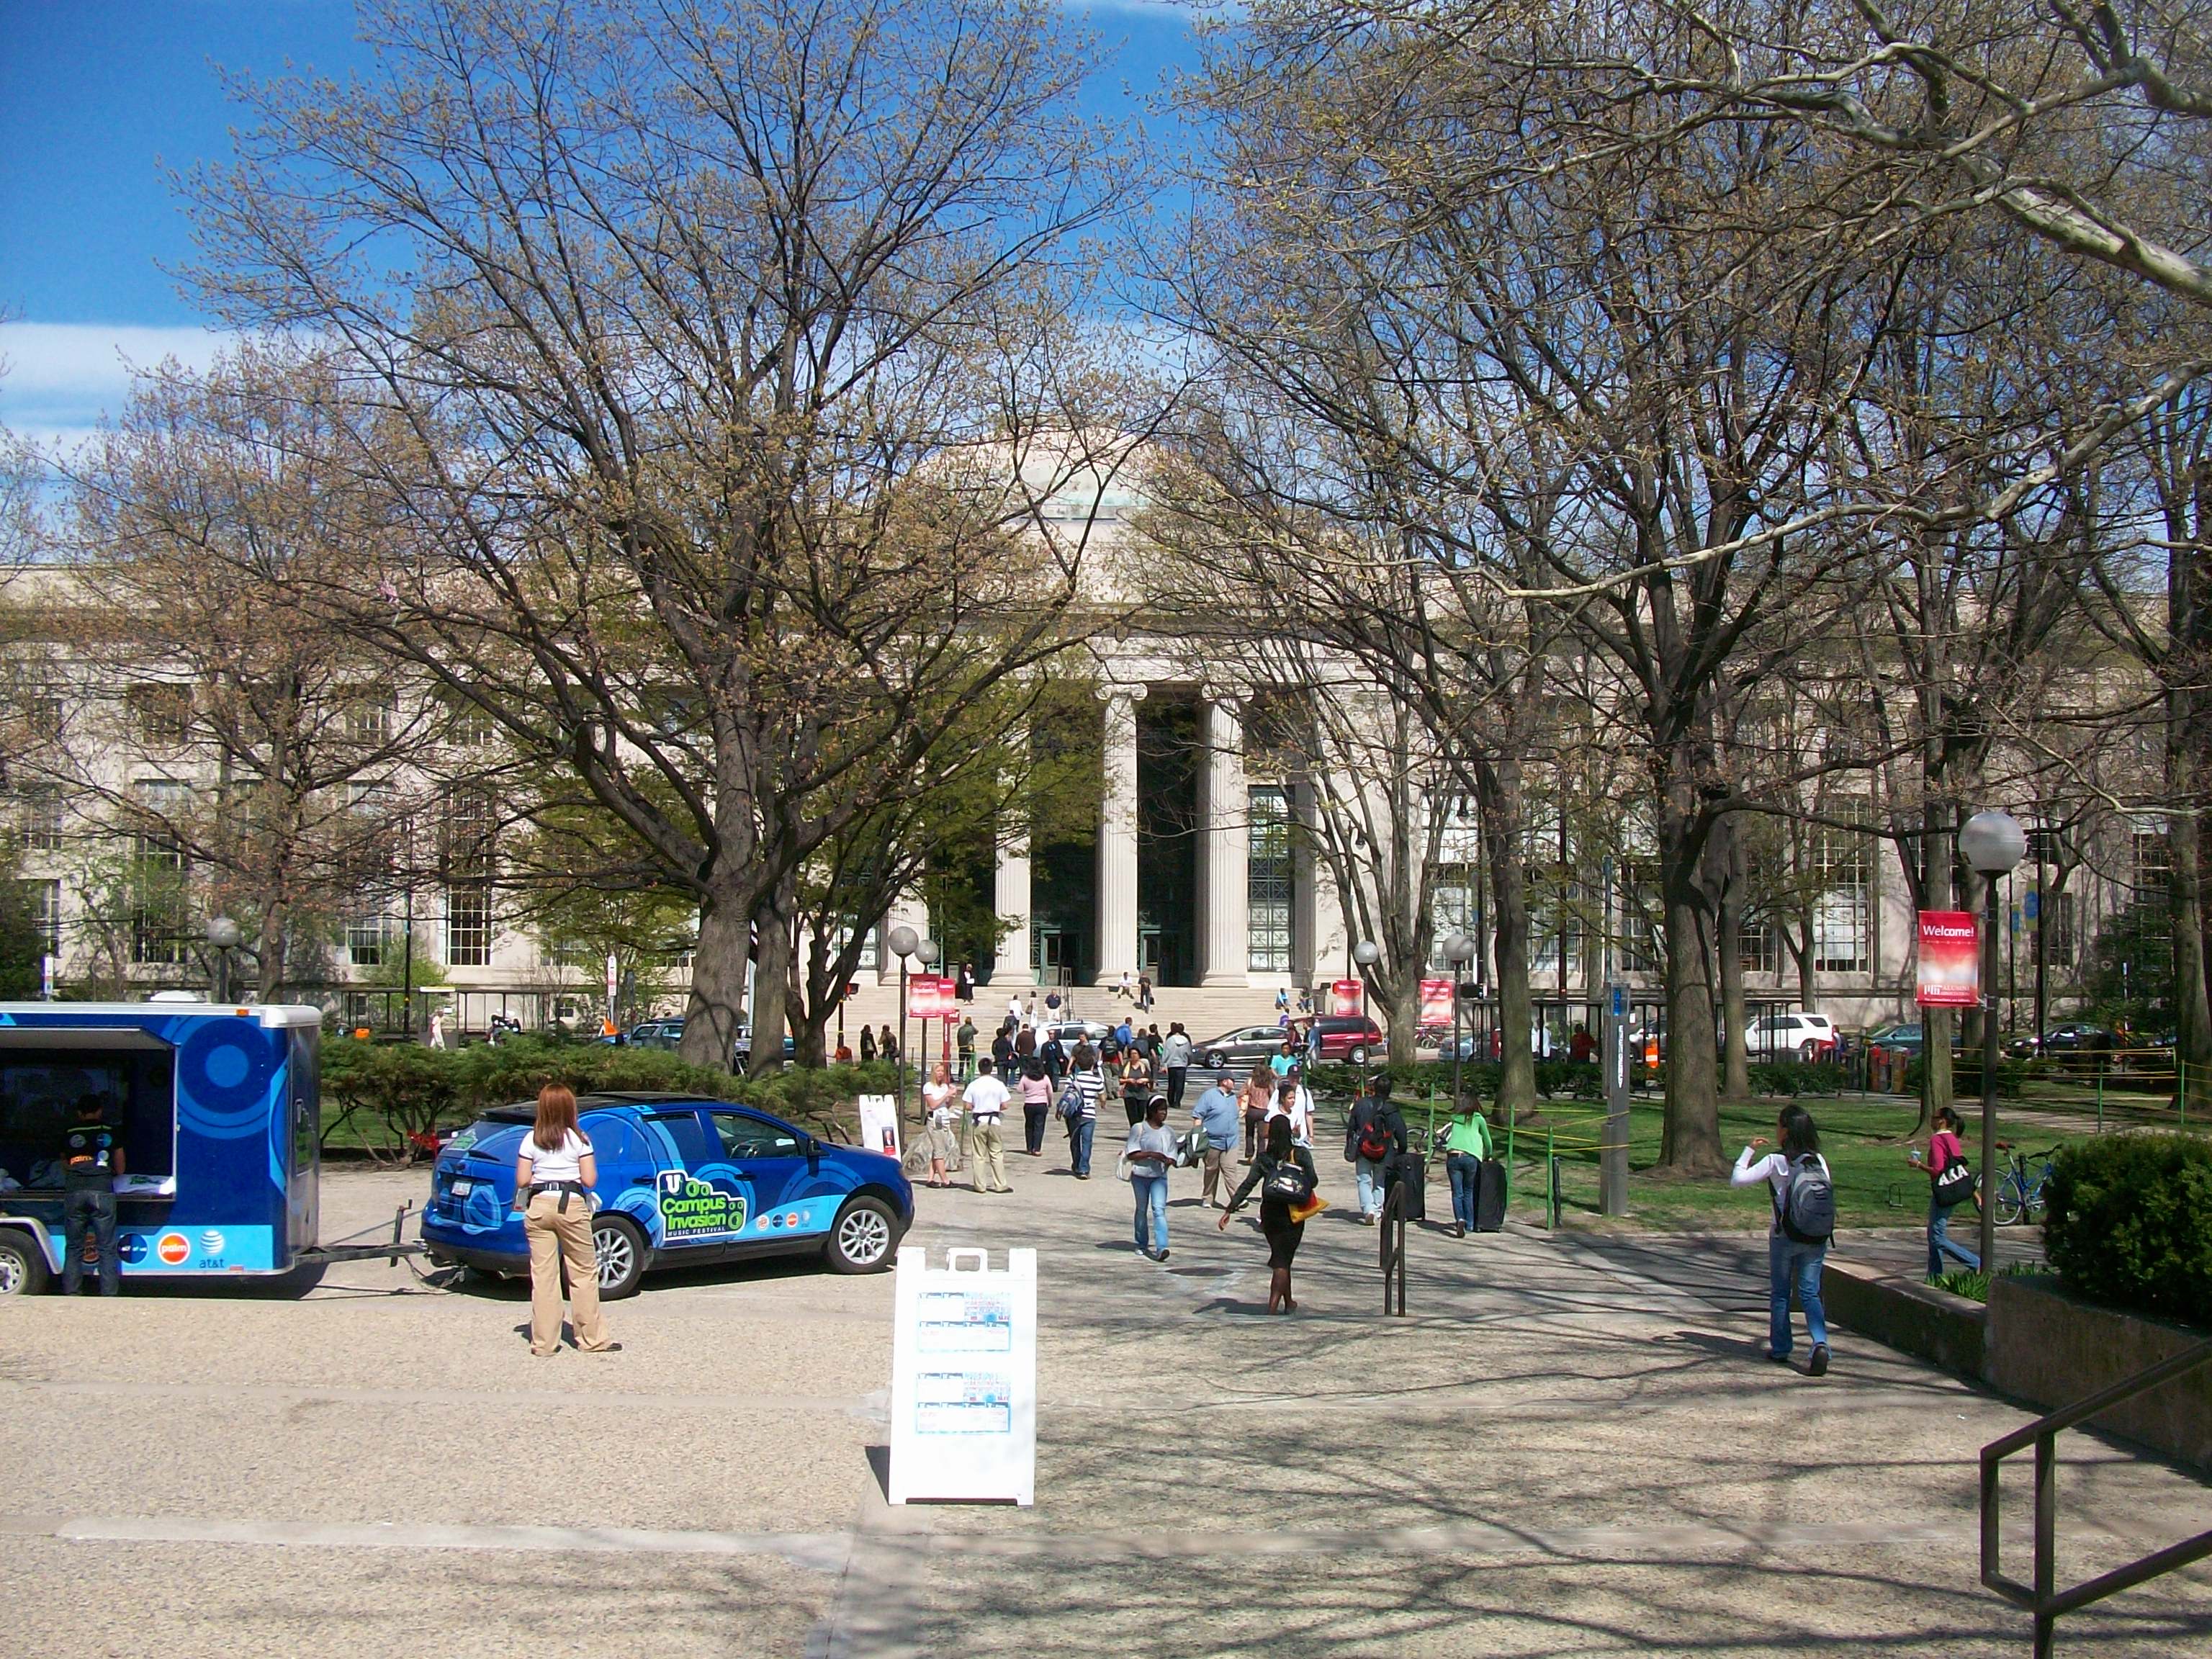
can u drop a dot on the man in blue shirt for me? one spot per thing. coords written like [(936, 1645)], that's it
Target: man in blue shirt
[(1217, 1114)]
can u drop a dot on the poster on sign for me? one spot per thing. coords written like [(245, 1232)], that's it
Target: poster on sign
[(930, 996), (1436, 1002), (1950, 964), (963, 1378), (1347, 996), (879, 1124)]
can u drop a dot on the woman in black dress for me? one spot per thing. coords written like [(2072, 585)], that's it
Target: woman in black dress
[(1283, 1232)]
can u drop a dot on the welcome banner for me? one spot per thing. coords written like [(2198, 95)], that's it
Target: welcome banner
[(1950, 960)]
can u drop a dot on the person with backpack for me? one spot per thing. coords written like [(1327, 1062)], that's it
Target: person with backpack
[(1288, 1196), (1804, 1196), (1374, 1141), (1950, 1183), (1467, 1144), (1079, 1106)]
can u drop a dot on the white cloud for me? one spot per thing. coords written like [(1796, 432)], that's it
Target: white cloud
[(57, 379)]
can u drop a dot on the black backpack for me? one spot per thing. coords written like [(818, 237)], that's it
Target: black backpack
[(1374, 1141), (1807, 1203)]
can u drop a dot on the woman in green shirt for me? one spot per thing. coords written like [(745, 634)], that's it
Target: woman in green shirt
[(1467, 1144)]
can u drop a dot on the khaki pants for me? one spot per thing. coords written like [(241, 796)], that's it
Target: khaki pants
[(990, 1154), (1217, 1174), (555, 1239)]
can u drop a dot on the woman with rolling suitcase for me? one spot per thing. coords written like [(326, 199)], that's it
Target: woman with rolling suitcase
[(1467, 1149)]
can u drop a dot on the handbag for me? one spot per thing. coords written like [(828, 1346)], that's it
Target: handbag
[(1122, 1167), (1956, 1184), (1288, 1182)]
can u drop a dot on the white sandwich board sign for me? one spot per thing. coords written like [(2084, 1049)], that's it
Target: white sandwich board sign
[(963, 1378)]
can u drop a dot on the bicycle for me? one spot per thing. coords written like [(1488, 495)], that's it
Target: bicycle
[(2020, 1190)]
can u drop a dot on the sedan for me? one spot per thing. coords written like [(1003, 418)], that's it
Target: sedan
[(1247, 1045)]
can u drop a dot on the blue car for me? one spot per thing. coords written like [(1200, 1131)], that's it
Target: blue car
[(682, 1182)]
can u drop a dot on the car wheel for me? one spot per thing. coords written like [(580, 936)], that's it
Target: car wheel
[(1358, 1055), (620, 1248), (863, 1237), (1216, 1061), (22, 1265)]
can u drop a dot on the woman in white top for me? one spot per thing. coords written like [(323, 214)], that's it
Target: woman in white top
[(1790, 1260), (939, 1099), (1293, 1100), (553, 1177)]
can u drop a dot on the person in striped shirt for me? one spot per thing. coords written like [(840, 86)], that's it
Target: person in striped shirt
[(1086, 1079)]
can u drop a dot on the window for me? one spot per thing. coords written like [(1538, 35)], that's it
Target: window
[(162, 712), (40, 826), (748, 1137), (469, 925), (1268, 883), (1451, 909), (692, 1146), (1843, 868), (2044, 844), (367, 713), (1759, 948), (2153, 864), (43, 715), (467, 725), (43, 899), (368, 939)]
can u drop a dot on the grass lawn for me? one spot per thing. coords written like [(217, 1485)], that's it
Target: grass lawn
[(1860, 1136)]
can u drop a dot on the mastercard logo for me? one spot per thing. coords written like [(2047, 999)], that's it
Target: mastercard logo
[(174, 1248)]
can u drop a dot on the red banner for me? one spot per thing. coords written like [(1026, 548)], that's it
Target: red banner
[(932, 996), (1347, 996), (1950, 961), (1436, 1002)]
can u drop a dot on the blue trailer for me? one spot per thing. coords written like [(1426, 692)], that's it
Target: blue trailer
[(221, 1119)]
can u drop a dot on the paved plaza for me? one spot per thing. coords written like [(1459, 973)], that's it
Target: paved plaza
[(1570, 1447)]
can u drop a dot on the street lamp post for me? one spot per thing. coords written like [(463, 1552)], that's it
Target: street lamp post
[(1993, 842), (902, 941), (222, 936), (1459, 950), (927, 953)]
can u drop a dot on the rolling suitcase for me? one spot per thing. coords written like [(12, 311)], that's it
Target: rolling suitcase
[(1490, 1197)]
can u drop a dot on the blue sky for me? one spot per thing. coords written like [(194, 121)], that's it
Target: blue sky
[(98, 98)]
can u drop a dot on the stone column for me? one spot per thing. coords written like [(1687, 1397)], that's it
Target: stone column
[(1224, 848), (907, 909), (1117, 837), (1015, 964), (1305, 887)]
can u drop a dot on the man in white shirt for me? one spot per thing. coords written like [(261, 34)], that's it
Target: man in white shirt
[(986, 1098)]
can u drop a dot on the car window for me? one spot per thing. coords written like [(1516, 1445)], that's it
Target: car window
[(745, 1136), (690, 1135)]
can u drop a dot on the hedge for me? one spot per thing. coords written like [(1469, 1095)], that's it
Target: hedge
[(2131, 1223), (397, 1096)]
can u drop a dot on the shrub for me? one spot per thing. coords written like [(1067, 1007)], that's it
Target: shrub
[(407, 1092), (2131, 1223), (1796, 1076)]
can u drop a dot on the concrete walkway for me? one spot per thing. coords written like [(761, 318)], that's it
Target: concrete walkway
[(1571, 1446)]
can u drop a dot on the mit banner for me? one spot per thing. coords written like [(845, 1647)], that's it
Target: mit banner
[(1950, 964), (1436, 1002), (963, 1378)]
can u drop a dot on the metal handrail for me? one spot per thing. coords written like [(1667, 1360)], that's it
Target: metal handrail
[(2041, 1599), (1393, 1229)]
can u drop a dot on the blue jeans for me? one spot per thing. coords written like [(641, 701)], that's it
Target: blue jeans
[(1080, 1133), (1788, 1262), (1369, 1173), (1465, 1172), (1152, 1199), (90, 1209), (1940, 1244)]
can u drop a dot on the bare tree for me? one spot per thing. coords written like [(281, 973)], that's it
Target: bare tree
[(715, 399)]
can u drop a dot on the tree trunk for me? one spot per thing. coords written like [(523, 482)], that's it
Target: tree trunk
[(1808, 984), (771, 984), (1735, 1048), (2185, 899), (1499, 789), (716, 1005), (809, 1017), (1691, 1143)]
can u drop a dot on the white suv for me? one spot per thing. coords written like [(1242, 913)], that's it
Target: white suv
[(1792, 1037)]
